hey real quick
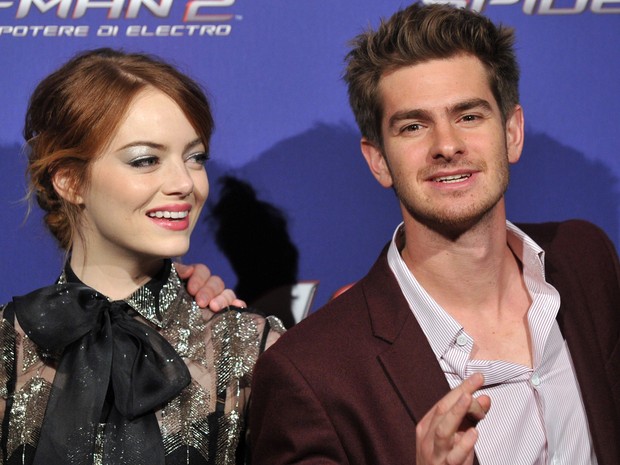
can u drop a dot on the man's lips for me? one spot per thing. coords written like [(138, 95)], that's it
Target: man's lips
[(452, 178)]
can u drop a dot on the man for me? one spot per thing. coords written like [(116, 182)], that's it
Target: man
[(470, 340)]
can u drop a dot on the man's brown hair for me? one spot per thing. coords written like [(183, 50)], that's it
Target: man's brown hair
[(421, 33)]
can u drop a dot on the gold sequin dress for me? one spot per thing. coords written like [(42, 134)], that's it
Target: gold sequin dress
[(203, 424)]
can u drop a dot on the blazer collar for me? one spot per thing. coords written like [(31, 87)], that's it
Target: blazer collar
[(416, 376), (575, 319), (408, 362)]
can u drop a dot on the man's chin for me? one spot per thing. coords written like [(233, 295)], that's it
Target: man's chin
[(452, 226)]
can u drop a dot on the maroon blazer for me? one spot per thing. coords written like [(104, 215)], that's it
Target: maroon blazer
[(349, 384)]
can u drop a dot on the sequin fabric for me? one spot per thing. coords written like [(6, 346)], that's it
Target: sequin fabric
[(27, 414), (184, 421), (203, 424), (156, 309), (7, 355)]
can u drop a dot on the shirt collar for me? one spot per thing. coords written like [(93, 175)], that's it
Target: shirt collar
[(526, 250), (151, 300), (439, 327)]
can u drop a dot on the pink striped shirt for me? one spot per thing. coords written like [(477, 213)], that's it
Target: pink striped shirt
[(537, 415)]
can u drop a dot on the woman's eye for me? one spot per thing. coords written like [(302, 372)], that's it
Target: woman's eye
[(144, 162), (199, 158)]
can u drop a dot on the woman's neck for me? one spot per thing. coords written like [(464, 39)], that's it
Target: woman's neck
[(114, 277)]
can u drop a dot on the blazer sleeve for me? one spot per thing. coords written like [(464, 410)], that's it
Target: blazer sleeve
[(288, 423)]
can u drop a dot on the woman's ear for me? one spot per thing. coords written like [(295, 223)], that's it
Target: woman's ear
[(65, 187)]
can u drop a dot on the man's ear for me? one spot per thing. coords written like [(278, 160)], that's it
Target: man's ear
[(376, 162), (66, 187), (514, 134)]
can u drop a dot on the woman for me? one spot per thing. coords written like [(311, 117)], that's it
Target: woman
[(115, 363)]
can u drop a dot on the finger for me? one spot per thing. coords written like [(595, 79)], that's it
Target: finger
[(184, 271), (197, 277), (479, 407), (208, 291), (472, 383), (447, 425), (484, 402), (447, 402), (436, 433), (201, 278), (239, 303), (469, 386), (463, 451), (223, 300), (439, 428)]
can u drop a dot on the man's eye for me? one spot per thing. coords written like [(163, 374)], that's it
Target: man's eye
[(411, 128), (143, 162), (470, 118)]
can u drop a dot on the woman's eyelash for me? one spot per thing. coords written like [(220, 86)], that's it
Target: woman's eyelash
[(143, 162), (201, 157)]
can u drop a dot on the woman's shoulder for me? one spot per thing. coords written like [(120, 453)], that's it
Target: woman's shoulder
[(246, 326), (243, 318), (7, 325), (8, 339)]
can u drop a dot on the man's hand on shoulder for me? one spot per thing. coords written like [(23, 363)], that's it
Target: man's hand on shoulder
[(206, 288)]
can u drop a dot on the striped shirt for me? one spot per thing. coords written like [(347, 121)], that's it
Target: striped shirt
[(537, 414)]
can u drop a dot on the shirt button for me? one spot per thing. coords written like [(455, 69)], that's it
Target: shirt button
[(535, 380), (461, 340)]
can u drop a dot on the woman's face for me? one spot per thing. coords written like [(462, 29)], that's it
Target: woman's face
[(148, 186)]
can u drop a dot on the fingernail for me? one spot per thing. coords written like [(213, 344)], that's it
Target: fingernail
[(472, 434)]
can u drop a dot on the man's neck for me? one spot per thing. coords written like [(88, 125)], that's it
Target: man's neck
[(472, 271), (478, 280)]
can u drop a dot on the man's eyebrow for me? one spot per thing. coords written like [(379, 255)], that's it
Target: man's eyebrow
[(408, 114), (470, 104), (419, 114)]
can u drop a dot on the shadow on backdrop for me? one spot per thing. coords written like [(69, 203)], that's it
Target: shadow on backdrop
[(554, 182), (253, 235), (338, 215)]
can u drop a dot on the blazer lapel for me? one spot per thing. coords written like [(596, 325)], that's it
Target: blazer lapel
[(579, 305), (574, 319), (409, 362)]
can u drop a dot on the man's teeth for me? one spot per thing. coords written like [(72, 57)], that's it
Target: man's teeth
[(170, 215), (453, 178)]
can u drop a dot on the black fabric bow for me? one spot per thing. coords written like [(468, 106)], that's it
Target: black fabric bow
[(113, 370)]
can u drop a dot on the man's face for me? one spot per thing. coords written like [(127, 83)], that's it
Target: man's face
[(445, 148)]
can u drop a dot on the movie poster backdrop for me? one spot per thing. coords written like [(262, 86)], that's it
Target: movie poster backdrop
[(284, 128)]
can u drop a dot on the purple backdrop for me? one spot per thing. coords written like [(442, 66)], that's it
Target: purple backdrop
[(273, 69)]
